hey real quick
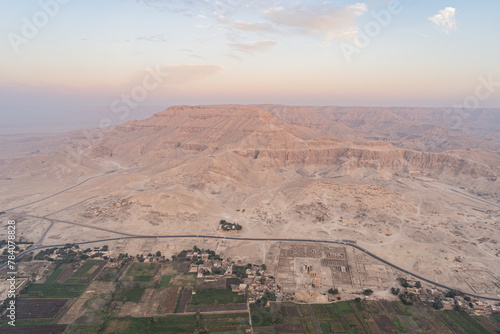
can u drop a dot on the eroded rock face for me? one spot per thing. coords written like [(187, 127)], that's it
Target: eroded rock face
[(268, 137), (349, 158), (310, 138), (390, 179)]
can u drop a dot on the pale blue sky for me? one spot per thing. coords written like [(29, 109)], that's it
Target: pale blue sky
[(89, 53)]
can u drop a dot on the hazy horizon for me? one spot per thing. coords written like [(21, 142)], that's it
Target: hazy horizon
[(63, 58)]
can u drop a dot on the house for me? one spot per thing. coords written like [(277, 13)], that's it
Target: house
[(447, 305), (478, 305), (435, 293)]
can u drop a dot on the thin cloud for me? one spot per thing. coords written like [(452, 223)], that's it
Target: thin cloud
[(332, 23), (445, 20), (229, 55), (246, 26), (253, 47), (198, 57), (153, 38)]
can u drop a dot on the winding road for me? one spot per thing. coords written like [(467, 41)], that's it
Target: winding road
[(347, 243), (60, 192), (39, 245)]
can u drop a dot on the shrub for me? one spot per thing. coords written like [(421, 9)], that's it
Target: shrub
[(368, 292)]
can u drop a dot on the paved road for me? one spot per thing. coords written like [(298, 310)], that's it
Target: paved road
[(83, 225), (261, 239), (39, 244), (70, 206), (474, 197), (58, 193)]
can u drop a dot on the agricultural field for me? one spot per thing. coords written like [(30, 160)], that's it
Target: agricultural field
[(165, 280), (263, 319), (366, 317), (35, 316), (184, 300), (216, 297), (158, 298), (215, 323), (87, 272), (38, 308), (55, 274), (171, 300), (132, 294), (184, 280), (141, 272), (462, 322), (52, 290)]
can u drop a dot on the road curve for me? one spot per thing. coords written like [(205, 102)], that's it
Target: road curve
[(261, 239), (60, 192)]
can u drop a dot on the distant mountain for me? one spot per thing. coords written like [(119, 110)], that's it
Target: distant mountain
[(267, 137)]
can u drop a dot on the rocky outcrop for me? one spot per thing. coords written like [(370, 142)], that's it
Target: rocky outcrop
[(349, 158)]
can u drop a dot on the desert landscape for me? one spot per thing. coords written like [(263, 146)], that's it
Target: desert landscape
[(262, 167), (410, 185)]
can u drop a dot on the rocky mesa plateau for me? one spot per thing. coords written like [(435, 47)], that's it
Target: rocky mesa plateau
[(417, 186)]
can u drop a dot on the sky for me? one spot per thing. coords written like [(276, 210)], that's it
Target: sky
[(82, 61)]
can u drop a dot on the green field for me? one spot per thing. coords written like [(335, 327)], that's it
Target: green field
[(83, 272), (345, 307), (165, 280), (465, 322), (326, 328), (82, 329), (337, 327), (325, 312), (349, 317), (306, 321), (50, 290), (220, 323), (216, 297), (142, 269), (142, 278), (55, 274), (359, 317), (399, 325), (133, 294), (167, 324), (260, 316), (28, 323), (343, 325)]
